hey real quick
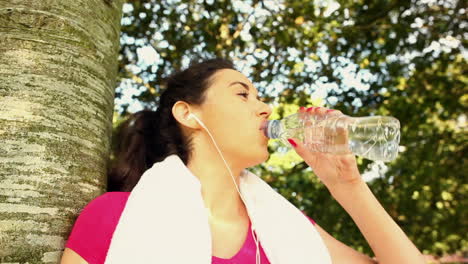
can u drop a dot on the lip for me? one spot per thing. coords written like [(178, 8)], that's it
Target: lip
[(263, 124)]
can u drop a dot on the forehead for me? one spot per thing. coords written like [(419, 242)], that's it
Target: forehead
[(228, 76)]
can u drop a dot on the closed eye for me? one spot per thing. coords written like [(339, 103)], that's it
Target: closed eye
[(246, 95)]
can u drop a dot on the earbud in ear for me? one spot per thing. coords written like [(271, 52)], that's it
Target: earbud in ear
[(189, 116)]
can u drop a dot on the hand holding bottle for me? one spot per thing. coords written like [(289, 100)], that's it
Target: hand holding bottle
[(334, 170)]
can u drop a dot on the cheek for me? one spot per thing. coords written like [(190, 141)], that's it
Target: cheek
[(233, 124), (230, 123)]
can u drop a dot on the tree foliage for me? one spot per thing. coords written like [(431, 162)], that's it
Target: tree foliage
[(368, 57)]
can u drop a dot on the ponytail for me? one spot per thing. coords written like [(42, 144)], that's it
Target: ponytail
[(134, 150)]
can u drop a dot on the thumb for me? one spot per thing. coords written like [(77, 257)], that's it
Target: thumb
[(308, 156)]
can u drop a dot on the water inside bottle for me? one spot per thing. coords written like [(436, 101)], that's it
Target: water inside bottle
[(375, 138)]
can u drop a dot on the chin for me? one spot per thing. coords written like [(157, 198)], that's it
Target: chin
[(261, 158), (266, 157)]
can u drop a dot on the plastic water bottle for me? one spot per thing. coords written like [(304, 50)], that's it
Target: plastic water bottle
[(372, 137)]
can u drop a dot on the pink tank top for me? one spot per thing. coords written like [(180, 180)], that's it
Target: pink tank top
[(93, 229)]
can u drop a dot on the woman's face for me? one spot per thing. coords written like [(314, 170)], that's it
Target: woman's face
[(233, 114)]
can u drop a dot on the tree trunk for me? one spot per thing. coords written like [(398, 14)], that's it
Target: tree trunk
[(58, 68)]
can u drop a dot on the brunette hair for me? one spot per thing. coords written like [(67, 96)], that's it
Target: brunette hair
[(147, 136)]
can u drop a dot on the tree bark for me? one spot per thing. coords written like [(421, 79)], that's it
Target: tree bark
[(58, 68)]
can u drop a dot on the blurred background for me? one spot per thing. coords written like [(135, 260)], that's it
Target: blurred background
[(402, 58)]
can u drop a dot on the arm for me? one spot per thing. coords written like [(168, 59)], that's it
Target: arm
[(71, 257), (384, 236), (341, 253), (340, 174), (388, 242)]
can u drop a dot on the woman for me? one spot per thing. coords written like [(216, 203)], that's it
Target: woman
[(228, 104)]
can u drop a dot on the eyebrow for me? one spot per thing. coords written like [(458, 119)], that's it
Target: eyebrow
[(245, 86)]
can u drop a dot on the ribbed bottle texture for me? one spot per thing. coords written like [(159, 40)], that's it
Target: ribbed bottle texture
[(372, 137)]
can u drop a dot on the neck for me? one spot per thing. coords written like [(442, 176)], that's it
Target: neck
[(218, 189)]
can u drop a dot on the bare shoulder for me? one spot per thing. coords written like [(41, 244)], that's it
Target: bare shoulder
[(71, 257)]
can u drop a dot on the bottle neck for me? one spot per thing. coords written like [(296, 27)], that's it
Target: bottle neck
[(272, 129)]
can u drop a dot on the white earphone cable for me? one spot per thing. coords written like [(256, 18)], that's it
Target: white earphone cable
[(257, 255)]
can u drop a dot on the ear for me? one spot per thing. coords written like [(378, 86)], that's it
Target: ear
[(181, 111)]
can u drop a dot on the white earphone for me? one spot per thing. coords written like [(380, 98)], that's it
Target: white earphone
[(190, 116)]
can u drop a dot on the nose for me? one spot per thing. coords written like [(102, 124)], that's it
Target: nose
[(265, 110)]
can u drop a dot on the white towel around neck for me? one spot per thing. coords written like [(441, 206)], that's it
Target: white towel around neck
[(165, 221)]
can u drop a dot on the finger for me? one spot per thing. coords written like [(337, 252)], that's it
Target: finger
[(308, 124), (333, 112), (304, 114), (311, 131), (338, 133), (326, 111), (311, 158), (302, 111), (301, 149), (319, 113)]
